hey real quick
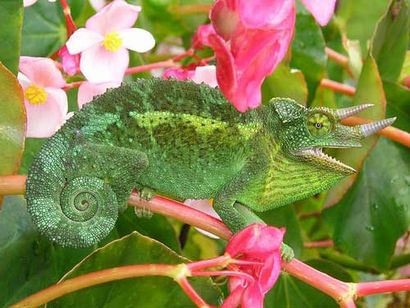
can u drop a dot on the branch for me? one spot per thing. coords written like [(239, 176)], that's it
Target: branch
[(338, 87)]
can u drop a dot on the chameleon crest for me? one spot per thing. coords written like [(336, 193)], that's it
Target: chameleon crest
[(185, 141)]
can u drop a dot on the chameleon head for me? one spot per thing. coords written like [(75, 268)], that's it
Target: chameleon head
[(306, 131)]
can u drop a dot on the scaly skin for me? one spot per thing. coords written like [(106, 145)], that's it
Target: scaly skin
[(185, 141)]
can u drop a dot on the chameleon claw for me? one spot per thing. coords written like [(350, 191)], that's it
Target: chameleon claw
[(287, 253)]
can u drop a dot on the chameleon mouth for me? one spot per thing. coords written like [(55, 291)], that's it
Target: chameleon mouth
[(316, 155)]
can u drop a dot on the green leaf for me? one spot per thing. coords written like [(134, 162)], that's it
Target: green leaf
[(286, 217), (398, 98), (357, 20), (308, 51), (156, 227), (44, 29), (376, 209), (28, 261), (136, 292), (369, 90), (291, 292), (12, 122), (11, 16), (285, 83), (391, 39)]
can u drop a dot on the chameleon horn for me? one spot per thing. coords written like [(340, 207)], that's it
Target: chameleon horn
[(374, 127), (343, 113)]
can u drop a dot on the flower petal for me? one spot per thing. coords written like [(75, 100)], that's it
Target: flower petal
[(177, 73), (205, 207), (225, 18), (69, 62), (137, 39), (99, 65), (115, 16), (88, 90), (43, 120), (265, 13), (41, 71), (322, 10), (28, 2), (252, 296), (205, 74), (83, 39)]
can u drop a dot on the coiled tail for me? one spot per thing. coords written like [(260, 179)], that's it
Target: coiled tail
[(70, 205)]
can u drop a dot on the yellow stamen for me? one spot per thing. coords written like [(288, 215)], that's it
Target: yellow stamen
[(112, 41), (35, 95)]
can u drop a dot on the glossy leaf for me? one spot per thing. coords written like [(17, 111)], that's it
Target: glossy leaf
[(398, 104), (12, 122), (44, 29), (285, 83), (136, 292), (369, 90), (391, 40), (11, 16), (308, 51), (376, 210)]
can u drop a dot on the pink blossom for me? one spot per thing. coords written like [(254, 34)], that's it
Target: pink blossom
[(261, 244), (88, 90), (31, 2), (104, 41), (250, 38), (70, 63), (199, 74), (44, 99)]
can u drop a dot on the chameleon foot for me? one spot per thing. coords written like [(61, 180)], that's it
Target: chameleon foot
[(143, 212), (146, 193), (287, 253)]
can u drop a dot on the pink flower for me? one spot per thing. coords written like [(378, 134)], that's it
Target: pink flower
[(104, 41), (250, 38), (45, 101), (201, 74), (256, 243), (70, 63), (31, 2), (88, 90)]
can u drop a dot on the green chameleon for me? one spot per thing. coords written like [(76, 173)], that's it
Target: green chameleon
[(185, 141)]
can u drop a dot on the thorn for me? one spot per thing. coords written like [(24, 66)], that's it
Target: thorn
[(374, 127), (343, 113)]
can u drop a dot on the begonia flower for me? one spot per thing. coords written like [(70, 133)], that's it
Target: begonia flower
[(250, 38), (31, 2), (87, 91), (45, 101), (69, 62), (260, 244), (104, 41), (201, 74)]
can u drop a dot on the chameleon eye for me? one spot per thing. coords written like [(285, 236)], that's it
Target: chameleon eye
[(319, 124)]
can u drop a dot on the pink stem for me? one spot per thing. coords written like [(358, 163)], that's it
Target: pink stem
[(318, 244), (375, 287), (327, 284), (338, 87), (183, 213), (225, 273), (192, 294), (151, 66), (214, 262), (70, 25)]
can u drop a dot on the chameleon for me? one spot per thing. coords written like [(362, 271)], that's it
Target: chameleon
[(185, 141)]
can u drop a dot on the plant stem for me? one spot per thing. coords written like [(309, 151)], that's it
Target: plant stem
[(150, 66), (70, 25), (337, 57), (221, 261), (338, 87), (390, 132), (183, 213), (190, 291), (190, 9), (12, 185), (319, 244), (327, 284), (95, 278), (376, 287)]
